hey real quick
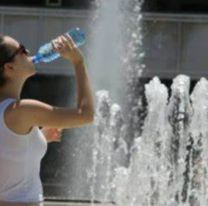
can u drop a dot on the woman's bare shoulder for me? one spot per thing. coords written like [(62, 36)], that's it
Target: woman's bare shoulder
[(24, 108), (18, 114)]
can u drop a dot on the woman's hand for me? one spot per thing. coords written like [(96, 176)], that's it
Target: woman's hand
[(68, 49), (52, 134)]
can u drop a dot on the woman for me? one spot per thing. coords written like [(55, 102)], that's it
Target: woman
[(22, 144)]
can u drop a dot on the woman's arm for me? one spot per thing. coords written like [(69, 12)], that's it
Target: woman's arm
[(30, 112), (84, 92)]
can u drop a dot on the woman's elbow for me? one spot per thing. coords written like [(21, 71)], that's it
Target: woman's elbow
[(88, 116)]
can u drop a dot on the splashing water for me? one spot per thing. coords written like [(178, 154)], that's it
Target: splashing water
[(105, 48), (159, 160), (111, 61), (168, 162), (147, 153)]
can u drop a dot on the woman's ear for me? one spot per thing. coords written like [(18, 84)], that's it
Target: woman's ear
[(8, 69)]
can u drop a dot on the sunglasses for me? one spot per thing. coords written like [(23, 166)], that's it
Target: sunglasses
[(20, 50)]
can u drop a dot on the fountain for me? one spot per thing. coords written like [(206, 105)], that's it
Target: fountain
[(154, 159), (168, 162)]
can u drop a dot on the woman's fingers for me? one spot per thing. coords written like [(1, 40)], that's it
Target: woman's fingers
[(66, 43), (58, 44), (67, 48), (57, 131), (70, 40), (52, 134), (63, 41)]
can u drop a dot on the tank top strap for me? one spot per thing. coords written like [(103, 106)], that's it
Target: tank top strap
[(5, 103)]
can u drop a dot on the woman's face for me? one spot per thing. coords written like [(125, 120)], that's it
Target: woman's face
[(21, 65)]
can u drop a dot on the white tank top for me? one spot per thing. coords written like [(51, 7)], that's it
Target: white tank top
[(20, 157)]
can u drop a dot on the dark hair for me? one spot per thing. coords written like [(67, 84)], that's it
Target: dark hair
[(4, 54)]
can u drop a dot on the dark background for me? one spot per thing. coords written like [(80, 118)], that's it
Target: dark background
[(78, 4), (172, 6), (176, 6)]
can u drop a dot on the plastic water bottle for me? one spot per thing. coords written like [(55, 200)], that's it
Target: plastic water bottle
[(46, 52)]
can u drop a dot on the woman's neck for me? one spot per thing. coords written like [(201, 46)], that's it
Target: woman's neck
[(12, 90)]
